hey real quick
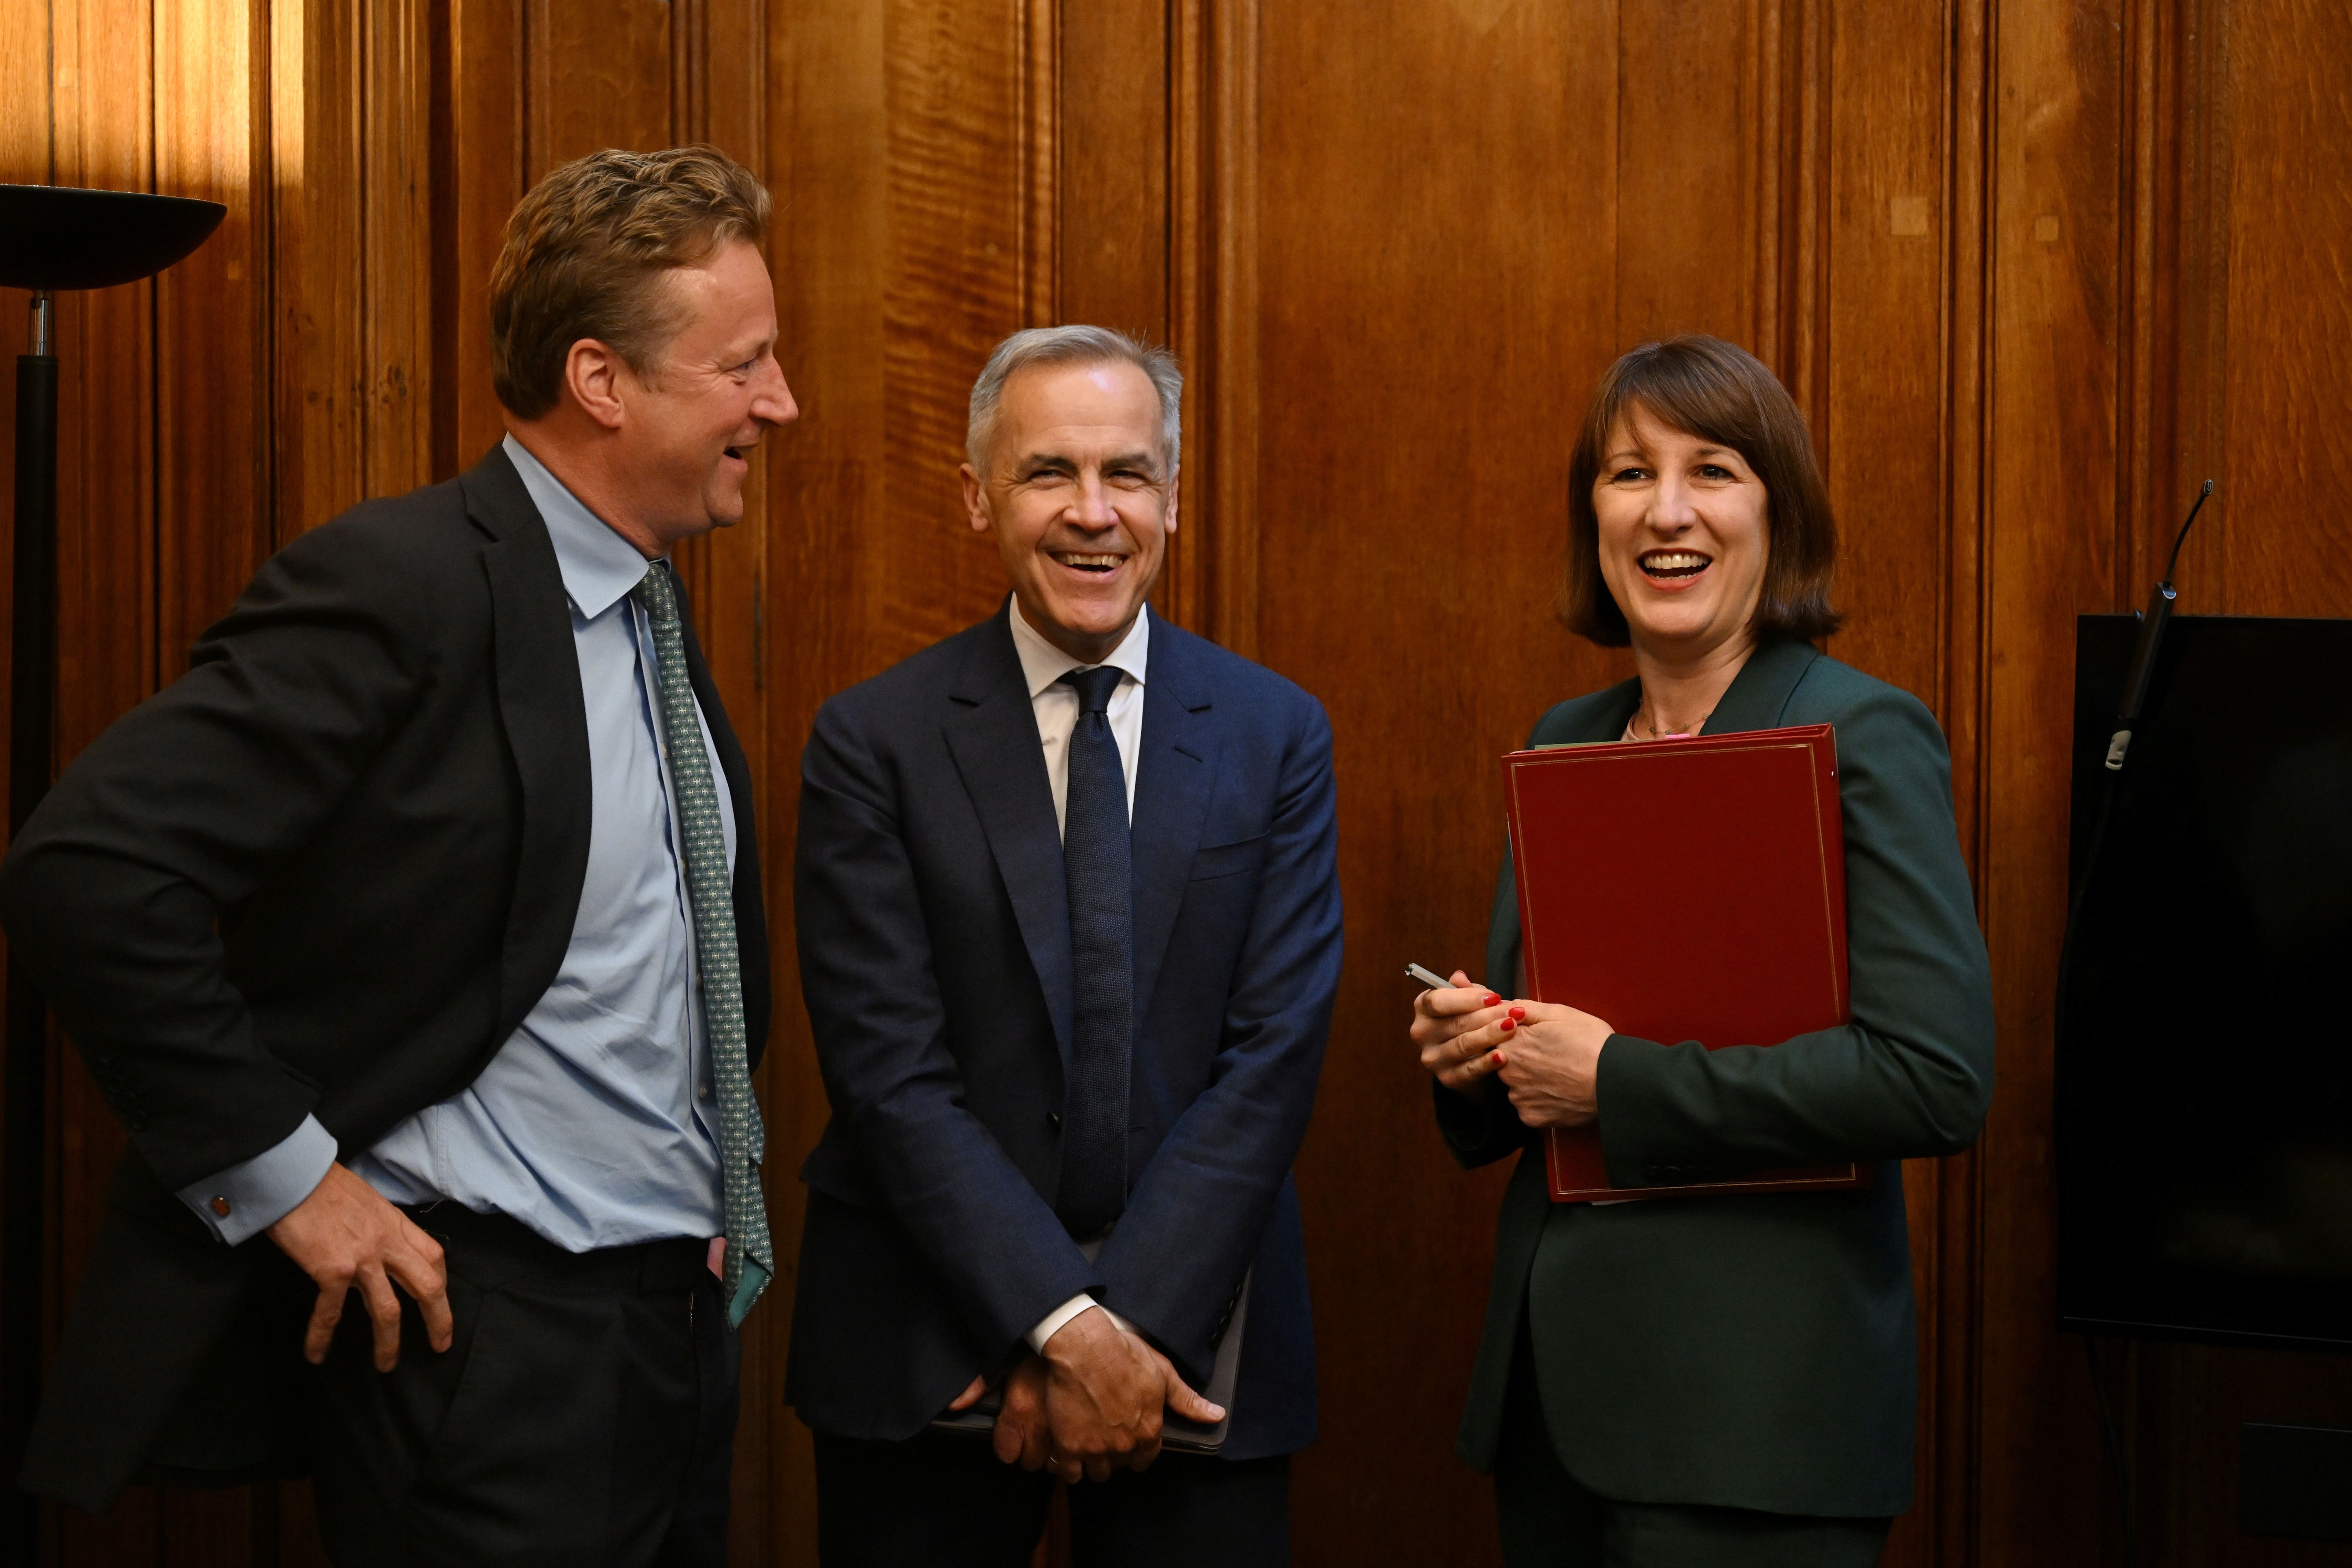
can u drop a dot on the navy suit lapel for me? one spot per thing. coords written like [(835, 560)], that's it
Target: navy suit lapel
[(1176, 764), (546, 723), (991, 731)]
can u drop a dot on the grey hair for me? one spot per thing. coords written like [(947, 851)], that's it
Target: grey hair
[(1074, 346)]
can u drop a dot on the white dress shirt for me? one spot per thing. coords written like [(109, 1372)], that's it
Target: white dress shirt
[(1056, 708)]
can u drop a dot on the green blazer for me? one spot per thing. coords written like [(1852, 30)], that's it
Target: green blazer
[(1754, 1352)]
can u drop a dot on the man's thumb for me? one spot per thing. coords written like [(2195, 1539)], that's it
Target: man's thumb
[(1189, 1404)]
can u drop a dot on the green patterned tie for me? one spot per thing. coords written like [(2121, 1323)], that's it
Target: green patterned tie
[(742, 1141)]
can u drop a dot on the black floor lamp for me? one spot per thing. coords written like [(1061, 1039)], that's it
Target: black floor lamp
[(52, 237)]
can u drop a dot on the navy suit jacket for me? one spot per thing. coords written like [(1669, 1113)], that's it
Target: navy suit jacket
[(935, 961)]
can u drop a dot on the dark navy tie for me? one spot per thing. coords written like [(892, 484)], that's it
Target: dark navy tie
[(1096, 862)]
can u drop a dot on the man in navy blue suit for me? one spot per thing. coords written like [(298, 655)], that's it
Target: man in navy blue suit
[(1069, 931)]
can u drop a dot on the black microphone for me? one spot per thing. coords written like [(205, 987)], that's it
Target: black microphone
[(2151, 634)]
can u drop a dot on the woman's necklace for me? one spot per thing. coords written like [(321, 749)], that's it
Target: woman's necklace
[(1644, 723)]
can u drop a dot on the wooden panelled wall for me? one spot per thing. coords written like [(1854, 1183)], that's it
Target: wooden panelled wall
[(2032, 268)]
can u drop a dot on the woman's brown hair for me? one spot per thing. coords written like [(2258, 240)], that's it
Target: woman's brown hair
[(1719, 393)]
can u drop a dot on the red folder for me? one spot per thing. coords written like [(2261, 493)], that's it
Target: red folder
[(1684, 891)]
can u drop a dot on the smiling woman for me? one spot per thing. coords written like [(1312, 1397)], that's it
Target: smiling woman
[(1722, 411), (1717, 1380)]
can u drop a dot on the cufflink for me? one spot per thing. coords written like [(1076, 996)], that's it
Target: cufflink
[(220, 1206)]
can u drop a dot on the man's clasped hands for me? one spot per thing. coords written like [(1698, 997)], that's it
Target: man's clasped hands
[(1091, 1404)]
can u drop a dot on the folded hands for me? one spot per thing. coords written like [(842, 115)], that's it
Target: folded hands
[(1091, 1405)]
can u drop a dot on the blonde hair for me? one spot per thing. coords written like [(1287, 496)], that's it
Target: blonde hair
[(584, 255)]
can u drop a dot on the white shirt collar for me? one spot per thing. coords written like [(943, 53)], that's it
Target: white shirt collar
[(1044, 664), (598, 565)]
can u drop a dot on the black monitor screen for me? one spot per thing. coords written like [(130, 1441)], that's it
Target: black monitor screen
[(2204, 1069)]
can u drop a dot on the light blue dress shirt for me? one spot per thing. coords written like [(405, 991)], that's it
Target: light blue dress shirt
[(593, 1124)]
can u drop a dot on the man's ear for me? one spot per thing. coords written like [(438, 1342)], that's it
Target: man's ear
[(593, 375), (1173, 479), (975, 500)]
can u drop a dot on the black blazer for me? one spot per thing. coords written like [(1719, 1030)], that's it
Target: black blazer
[(935, 961), (1754, 1352), (328, 870)]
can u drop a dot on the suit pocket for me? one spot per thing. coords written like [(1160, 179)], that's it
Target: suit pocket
[(1228, 859)]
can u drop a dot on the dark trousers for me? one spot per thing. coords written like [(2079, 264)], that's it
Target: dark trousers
[(943, 1500), (1549, 1521), (585, 1415)]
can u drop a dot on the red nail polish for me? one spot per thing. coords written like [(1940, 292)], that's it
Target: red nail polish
[(1508, 1025), (1518, 1014), (1497, 1058), (1490, 1001)]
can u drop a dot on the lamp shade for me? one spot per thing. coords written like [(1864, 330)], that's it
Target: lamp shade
[(61, 237)]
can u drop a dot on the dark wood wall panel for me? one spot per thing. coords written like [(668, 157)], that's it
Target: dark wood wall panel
[(2056, 175), (2289, 382), (1114, 141), (1435, 309), (599, 79), (952, 287), (212, 335), (1688, 200), (478, 174), (1885, 380), (394, 93), (320, 418)]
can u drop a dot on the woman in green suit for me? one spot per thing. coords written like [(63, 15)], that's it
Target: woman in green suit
[(1717, 1380)]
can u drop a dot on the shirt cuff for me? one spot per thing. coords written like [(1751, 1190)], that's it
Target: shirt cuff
[(247, 1199), (1050, 1324)]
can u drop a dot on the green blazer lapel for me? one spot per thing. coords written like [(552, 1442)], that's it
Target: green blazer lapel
[(1759, 693)]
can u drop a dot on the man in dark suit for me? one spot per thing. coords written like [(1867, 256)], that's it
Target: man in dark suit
[(1069, 934), (415, 935)]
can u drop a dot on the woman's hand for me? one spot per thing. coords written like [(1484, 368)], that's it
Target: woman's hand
[(1548, 1056), (1451, 1026), (1551, 1063)]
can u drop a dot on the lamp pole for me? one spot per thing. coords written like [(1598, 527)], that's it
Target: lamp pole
[(32, 710), (51, 238)]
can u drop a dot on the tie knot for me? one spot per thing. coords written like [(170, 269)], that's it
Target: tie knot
[(656, 592), (1094, 687)]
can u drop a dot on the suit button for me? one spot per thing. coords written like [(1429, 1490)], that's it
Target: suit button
[(1054, 1120)]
